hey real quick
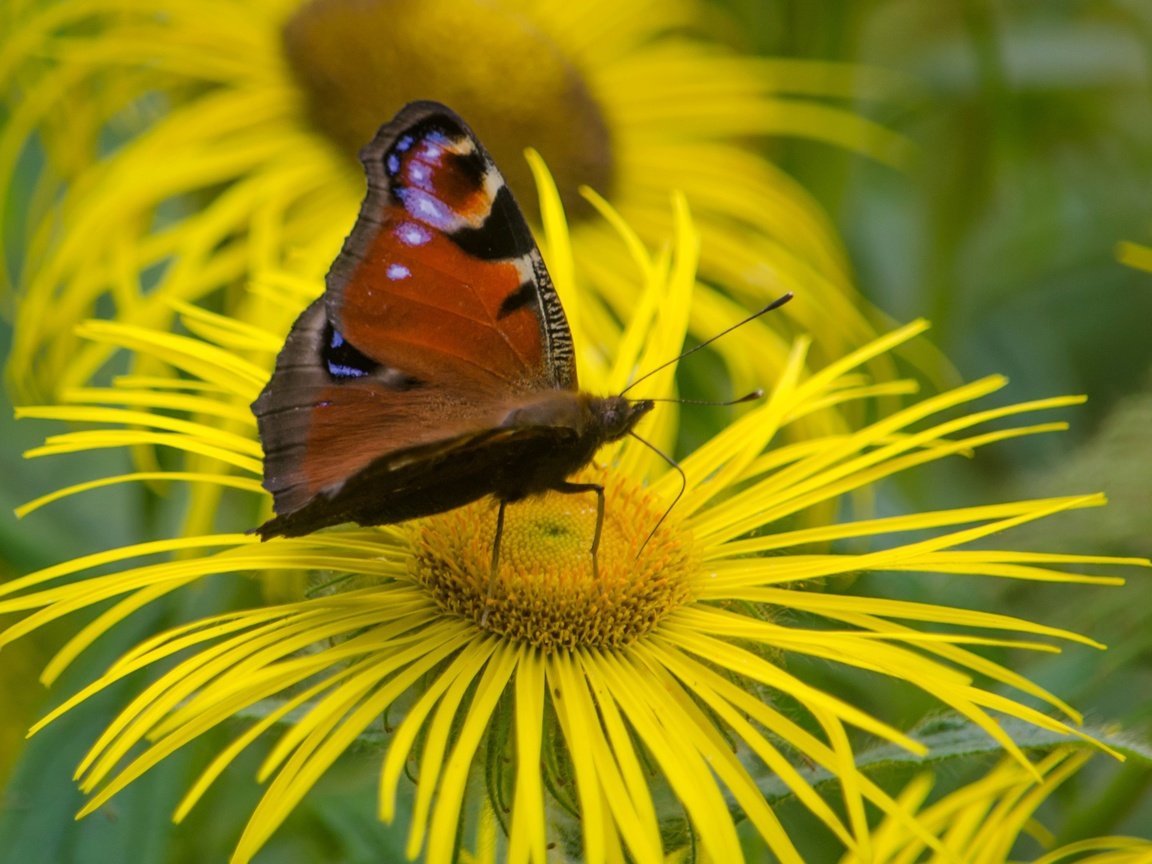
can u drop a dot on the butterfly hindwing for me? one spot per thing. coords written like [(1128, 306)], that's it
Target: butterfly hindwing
[(329, 411)]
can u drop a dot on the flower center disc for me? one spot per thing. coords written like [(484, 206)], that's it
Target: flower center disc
[(359, 61), (545, 591)]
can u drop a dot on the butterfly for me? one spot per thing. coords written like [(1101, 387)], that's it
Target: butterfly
[(437, 367)]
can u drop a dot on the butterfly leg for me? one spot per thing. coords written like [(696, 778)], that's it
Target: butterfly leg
[(496, 540), (575, 488), (495, 561)]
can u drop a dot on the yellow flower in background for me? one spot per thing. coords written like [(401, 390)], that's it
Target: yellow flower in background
[(983, 821), (618, 716), (168, 150), (1135, 255)]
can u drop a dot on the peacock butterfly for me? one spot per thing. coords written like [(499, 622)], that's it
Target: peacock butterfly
[(437, 367)]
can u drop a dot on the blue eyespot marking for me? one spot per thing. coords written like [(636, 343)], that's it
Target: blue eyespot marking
[(428, 209), (342, 360)]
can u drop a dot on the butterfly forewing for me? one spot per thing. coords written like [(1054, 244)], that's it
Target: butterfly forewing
[(439, 316), (441, 277)]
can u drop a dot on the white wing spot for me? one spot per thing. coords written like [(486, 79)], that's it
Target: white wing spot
[(411, 234)]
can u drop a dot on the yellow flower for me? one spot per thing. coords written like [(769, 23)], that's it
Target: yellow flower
[(981, 822), (617, 716), (1135, 255), (168, 150)]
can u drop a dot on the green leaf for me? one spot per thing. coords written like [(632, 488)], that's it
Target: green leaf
[(950, 736)]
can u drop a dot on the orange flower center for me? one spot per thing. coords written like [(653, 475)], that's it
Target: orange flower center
[(546, 590)]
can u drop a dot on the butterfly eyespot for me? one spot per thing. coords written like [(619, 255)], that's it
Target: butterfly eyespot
[(427, 208), (342, 360), (418, 174)]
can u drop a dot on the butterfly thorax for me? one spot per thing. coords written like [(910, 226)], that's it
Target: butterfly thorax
[(578, 425), (601, 418)]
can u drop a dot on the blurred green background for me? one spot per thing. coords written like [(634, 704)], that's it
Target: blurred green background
[(1032, 129), (1032, 126)]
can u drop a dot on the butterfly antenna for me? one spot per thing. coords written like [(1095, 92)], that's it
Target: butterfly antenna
[(679, 495), (747, 397), (775, 304)]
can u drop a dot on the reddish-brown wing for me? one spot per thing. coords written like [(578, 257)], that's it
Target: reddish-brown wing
[(440, 271), (438, 319)]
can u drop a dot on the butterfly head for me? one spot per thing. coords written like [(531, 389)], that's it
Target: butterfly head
[(617, 415)]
